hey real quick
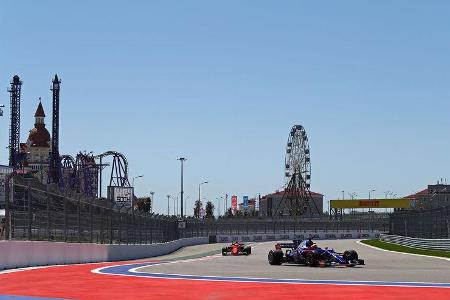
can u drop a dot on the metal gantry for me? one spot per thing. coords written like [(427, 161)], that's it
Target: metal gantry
[(14, 133), (55, 175)]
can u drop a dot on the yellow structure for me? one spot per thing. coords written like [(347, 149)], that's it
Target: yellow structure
[(373, 203)]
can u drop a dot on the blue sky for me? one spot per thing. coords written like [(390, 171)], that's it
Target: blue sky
[(223, 82)]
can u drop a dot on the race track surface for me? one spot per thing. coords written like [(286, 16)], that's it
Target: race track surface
[(198, 272), (380, 266)]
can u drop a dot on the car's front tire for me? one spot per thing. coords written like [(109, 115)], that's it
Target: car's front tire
[(275, 257), (312, 260), (350, 256), (224, 251)]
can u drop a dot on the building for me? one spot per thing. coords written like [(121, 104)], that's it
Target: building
[(269, 203), (4, 172), (38, 146), (434, 196), (251, 206)]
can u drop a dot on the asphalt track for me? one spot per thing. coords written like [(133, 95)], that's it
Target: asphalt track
[(380, 266), (186, 274)]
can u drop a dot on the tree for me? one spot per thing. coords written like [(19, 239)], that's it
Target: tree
[(197, 208), (229, 213), (143, 204), (209, 210)]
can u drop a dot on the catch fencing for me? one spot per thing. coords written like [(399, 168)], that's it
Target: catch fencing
[(247, 227), (433, 244), (36, 214), (426, 224)]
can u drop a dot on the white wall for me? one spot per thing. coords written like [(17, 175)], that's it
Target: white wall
[(19, 254), (315, 235)]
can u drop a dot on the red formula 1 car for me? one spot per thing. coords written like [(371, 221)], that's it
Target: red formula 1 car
[(236, 249)]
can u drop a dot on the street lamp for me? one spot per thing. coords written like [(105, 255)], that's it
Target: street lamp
[(152, 194), (182, 160), (199, 189), (218, 206), (168, 205), (140, 176), (369, 195)]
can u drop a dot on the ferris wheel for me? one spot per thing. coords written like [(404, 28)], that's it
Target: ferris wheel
[(297, 199), (298, 159)]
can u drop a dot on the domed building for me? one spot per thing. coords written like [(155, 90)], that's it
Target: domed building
[(38, 145)]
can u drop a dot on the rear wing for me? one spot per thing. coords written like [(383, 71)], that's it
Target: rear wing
[(285, 246)]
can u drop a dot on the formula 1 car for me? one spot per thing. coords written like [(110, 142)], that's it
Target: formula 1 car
[(307, 253), (237, 249)]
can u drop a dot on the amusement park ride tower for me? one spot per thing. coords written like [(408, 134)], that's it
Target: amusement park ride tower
[(54, 175)]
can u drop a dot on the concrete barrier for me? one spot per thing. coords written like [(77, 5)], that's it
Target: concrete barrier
[(316, 235), (20, 254)]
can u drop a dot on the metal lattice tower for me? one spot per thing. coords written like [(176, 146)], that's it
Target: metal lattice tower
[(55, 160), (14, 133)]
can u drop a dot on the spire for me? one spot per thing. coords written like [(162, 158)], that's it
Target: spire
[(40, 110)]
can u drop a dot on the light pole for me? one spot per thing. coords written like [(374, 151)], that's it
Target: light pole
[(369, 195), (140, 176), (218, 206), (132, 198), (182, 160), (168, 205), (199, 190), (152, 194)]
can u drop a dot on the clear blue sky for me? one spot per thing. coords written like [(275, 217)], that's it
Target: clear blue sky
[(223, 82)]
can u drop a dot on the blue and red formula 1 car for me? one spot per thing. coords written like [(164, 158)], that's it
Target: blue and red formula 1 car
[(237, 249), (307, 253)]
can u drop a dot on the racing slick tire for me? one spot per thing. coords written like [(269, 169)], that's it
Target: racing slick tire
[(312, 260), (248, 250), (275, 257), (224, 251), (350, 256)]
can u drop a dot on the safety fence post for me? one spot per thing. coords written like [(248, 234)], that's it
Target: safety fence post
[(48, 231), (29, 215)]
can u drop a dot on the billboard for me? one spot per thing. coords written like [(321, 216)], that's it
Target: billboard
[(374, 203), (245, 200), (234, 202), (120, 196)]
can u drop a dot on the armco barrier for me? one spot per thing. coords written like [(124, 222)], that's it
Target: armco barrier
[(316, 235), (430, 244), (19, 254)]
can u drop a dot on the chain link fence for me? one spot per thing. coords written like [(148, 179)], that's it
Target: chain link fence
[(428, 224), (40, 215), (248, 227)]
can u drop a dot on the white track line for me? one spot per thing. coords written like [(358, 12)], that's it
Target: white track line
[(404, 253)]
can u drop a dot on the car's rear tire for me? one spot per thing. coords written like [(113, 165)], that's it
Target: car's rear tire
[(248, 250), (224, 251), (275, 257), (312, 260), (350, 256)]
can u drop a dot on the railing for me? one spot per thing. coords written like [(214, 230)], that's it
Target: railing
[(36, 214), (42, 213), (425, 224), (429, 244)]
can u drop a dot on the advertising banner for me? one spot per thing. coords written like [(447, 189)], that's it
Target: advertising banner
[(234, 202), (373, 203), (120, 196), (245, 202)]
